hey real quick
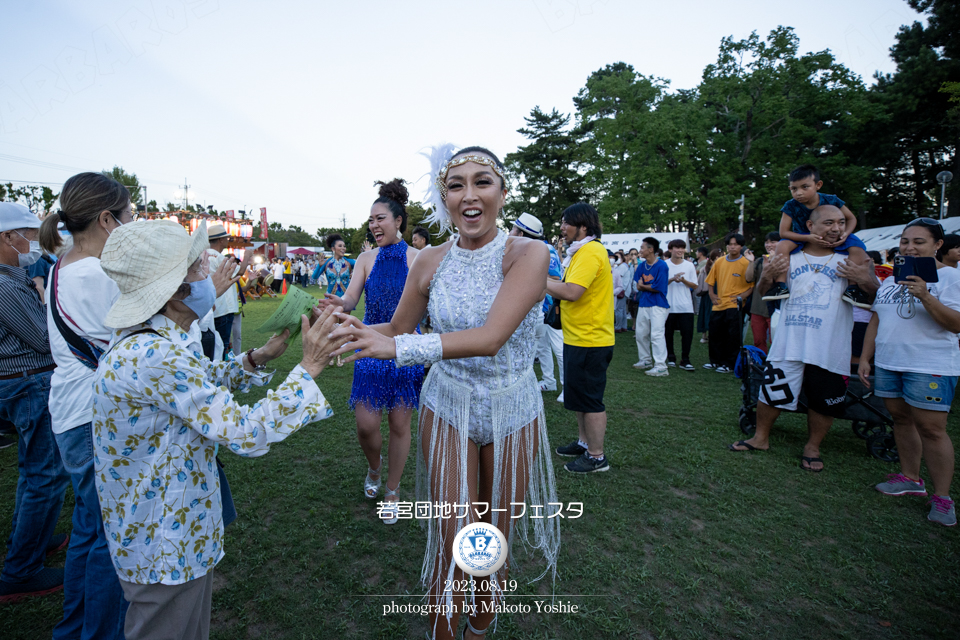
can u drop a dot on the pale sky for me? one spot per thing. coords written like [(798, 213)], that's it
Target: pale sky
[(300, 106)]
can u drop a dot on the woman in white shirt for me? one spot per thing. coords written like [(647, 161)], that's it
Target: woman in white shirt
[(913, 339), (79, 294)]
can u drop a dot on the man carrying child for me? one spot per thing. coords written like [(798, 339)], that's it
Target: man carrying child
[(805, 185)]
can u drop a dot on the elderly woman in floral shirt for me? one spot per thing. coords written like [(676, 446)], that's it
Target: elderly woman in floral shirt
[(160, 409)]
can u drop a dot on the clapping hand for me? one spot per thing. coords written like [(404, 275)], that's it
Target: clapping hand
[(223, 277), (366, 342), (330, 300), (318, 342)]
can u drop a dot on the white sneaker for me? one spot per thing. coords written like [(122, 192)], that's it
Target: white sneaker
[(658, 371), (703, 341), (560, 397), (723, 369), (544, 387), (642, 364)]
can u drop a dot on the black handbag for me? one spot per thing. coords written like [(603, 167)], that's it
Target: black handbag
[(552, 317)]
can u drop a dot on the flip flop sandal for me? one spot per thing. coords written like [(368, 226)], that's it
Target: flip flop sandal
[(810, 461), (742, 443)]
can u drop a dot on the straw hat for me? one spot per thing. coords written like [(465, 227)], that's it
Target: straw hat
[(148, 260)]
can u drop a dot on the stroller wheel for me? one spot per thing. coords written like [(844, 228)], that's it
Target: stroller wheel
[(748, 422), (865, 429), (882, 446)]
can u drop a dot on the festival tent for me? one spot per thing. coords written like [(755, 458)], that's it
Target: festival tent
[(626, 241), (300, 251)]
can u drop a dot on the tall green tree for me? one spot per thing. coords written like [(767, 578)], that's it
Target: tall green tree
[(130, 181), (37, 198), (915, 138), (618, 127), (545, 173)]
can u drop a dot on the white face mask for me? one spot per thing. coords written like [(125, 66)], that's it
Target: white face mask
[(31, 256)]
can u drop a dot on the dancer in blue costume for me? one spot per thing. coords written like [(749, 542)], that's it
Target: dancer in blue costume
[(337, 269), (379, 385)]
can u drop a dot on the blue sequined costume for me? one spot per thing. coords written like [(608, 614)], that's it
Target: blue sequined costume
[(380, 385)]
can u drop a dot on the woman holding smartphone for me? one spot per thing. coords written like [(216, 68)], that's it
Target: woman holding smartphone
[(912, 338)]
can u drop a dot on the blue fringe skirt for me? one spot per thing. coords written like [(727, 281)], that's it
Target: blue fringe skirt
[(379, 385)]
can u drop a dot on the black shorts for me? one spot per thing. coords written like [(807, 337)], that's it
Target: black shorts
[(783, 381), (585, 377)]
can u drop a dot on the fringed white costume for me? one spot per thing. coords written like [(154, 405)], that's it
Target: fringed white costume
[(490, 400)]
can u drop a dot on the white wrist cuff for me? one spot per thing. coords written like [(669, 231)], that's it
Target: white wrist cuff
[(415, 349)]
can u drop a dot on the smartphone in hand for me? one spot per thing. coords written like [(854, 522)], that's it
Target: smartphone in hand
[(906, 266)]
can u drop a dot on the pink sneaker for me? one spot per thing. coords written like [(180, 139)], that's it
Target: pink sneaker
[(898, 484), (942, 511)]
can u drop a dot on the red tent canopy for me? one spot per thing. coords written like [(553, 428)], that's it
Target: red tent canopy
[(302, 252)]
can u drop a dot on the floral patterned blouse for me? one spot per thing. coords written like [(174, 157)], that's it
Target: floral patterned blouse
[(159, 409)]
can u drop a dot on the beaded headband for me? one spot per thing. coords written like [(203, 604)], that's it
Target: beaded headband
[(441, 181)]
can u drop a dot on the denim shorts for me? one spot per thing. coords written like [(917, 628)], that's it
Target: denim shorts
[(920, 390)]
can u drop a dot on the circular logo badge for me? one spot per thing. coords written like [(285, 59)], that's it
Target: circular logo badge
[(480, 549)]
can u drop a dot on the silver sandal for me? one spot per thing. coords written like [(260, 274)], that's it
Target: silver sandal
[(474, 630), (391, 508), (372, 487)]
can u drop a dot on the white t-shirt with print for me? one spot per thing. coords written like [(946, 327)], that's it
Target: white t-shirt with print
[(85, 294), (815, 324), (678, 294), (919, 344)]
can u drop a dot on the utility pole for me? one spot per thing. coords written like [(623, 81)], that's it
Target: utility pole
[(943, 178), (186, 202), (344, 219), (742, 202)]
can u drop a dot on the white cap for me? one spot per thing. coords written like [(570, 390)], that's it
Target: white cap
[(17, 216)]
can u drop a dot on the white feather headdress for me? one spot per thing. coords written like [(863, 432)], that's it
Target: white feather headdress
[(439, 156)]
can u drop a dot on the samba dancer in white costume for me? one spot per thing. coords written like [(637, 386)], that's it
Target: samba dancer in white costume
[(483, 435)]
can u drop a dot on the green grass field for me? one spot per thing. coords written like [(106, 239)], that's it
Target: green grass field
[(681, 539)]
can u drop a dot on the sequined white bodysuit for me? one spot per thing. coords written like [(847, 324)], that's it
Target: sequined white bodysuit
[(492, 401), (461, 293)]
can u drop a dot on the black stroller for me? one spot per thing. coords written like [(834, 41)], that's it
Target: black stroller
[(867, 414)]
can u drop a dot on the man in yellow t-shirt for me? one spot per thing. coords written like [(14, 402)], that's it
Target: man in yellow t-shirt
[(727, 281), (586, 312), (287, 271)]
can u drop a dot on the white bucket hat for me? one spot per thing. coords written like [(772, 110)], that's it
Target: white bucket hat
[(530, 224), (148, 260)]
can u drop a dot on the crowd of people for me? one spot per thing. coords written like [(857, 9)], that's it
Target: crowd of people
[(119, 371)]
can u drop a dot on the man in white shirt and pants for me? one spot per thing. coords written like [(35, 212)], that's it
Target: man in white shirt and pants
[(227, 304)]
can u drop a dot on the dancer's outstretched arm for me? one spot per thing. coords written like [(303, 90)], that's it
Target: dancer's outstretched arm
[(525, 265)]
